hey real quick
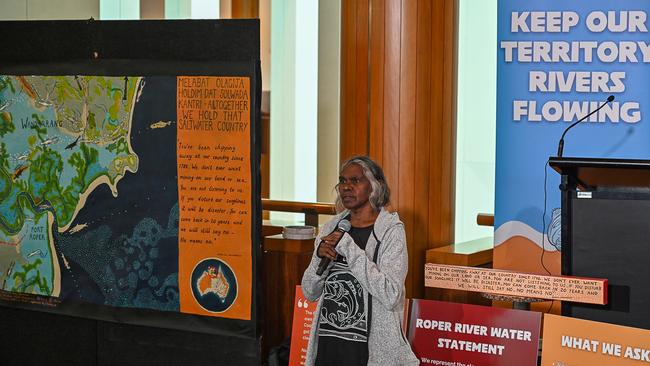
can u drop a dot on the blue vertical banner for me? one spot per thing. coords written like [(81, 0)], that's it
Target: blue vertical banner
[(558, 61)]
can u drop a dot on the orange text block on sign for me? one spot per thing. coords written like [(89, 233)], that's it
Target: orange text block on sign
[(577, 342), (214, 191)]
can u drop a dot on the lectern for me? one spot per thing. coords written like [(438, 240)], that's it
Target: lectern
[(606, 234)]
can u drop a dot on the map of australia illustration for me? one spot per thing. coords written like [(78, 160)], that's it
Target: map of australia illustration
[(61, 137)]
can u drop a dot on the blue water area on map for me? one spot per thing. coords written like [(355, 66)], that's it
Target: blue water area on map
[(128, 253)]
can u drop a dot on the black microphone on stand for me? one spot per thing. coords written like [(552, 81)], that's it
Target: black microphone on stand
[(343, 226), (560, 145)]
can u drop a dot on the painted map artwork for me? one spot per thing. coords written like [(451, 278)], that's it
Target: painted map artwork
[(88, 190)]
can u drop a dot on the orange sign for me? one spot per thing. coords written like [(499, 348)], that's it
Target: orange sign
[(214, 189), (577, 289), (303, 314), (576, 342)]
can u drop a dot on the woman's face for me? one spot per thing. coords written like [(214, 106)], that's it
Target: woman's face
[(354, 188)]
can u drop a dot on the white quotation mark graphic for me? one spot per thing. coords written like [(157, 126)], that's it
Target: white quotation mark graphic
[(303, 303)]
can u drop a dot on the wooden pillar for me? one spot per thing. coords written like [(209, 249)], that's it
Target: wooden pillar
[(398, 97), (245, 9), (152, 9)]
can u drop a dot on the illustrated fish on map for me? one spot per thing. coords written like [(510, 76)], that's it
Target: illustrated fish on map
[(9, 270), (77, 228), (65, 261), (160, 124), (23, 156), (45, 206), (5, 104), (137, 98), (50, 141), (45, 102), (38, 252), (19, 171), (71, 145)]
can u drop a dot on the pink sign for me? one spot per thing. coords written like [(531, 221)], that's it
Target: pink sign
[(450, 334)]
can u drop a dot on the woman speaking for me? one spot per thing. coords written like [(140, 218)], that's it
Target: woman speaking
[(363, 263)]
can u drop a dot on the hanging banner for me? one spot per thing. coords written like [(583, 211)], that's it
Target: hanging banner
[(577, 342), (129, 185), (558, 60), (109, 199), (444, 333)]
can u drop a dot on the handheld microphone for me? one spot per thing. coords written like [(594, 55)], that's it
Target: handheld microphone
[(560, 145), (343, 226)]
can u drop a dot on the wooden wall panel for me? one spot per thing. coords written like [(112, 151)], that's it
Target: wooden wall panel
[(361, 77), (348, 65), (284, 261), (437, 65), (420, 238), (245, 9), (376, 82), (265, 158), (399, 70), (406, 171), (354, 136), (391, 61), (449, 114)]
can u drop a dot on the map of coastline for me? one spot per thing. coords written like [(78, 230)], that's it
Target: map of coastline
[(61, 137)]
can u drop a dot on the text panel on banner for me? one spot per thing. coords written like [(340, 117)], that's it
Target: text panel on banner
[(557, 61), (214, 191)]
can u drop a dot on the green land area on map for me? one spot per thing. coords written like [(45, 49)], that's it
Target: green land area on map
[(60, 138)]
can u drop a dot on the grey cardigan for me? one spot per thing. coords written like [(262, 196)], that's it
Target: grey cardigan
[(384, 282)]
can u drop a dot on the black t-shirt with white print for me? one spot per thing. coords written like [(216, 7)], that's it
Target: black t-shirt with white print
[(343, 319)]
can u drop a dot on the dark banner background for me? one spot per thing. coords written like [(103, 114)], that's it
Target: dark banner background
[(76, 332)]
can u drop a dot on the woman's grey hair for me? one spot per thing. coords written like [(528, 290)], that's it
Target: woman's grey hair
[(380, 195)]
